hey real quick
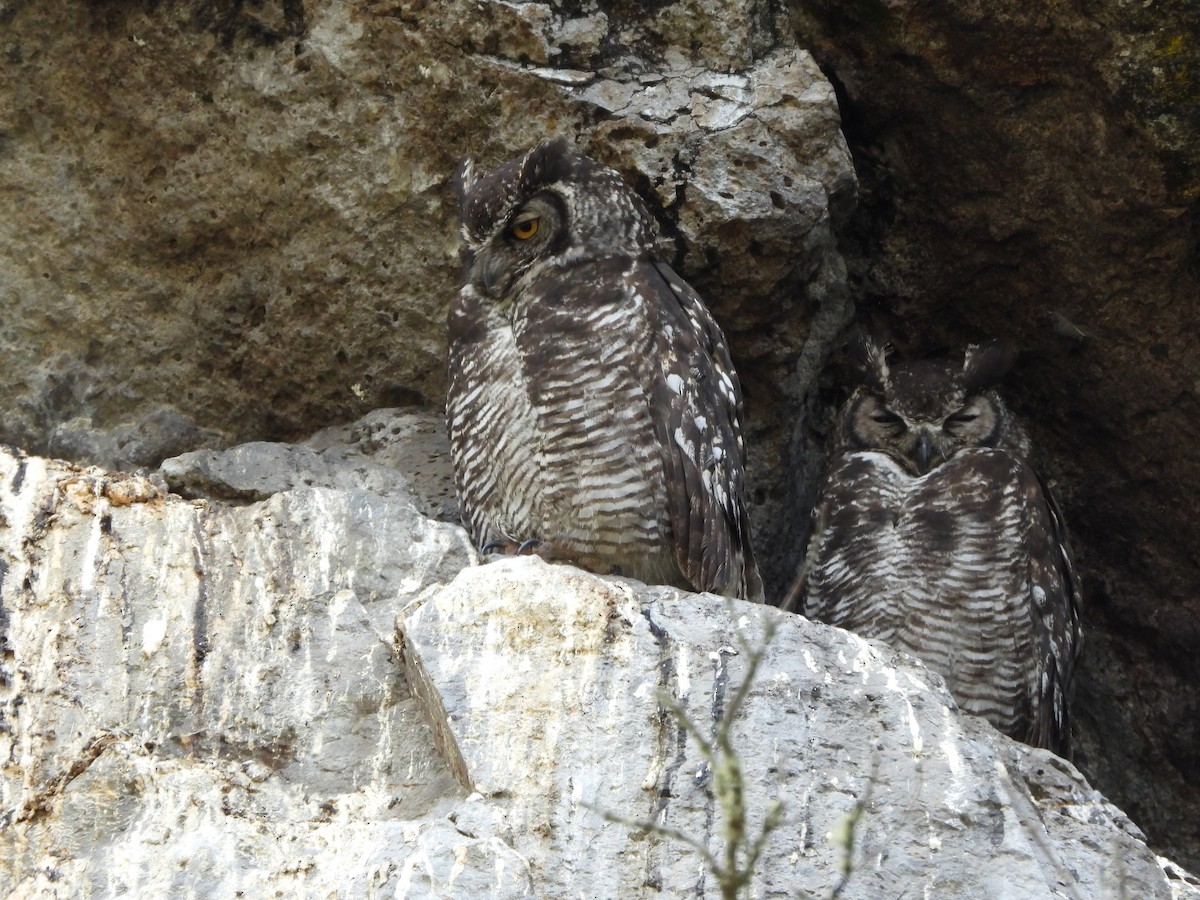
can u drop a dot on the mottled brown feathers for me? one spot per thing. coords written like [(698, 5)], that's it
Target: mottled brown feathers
[(932, 532), (592, 403)]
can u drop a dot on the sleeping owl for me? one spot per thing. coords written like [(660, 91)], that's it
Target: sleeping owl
[(593, 408), (933, 533)]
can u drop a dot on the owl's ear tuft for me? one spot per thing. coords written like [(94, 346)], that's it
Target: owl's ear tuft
[(546, 163), (463, 179), (985, 364), (869, 352)]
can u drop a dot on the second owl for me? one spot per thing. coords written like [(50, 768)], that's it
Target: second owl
[(592, 403), (933, 533)]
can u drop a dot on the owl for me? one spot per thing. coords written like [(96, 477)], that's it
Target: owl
[(593, 409), (933, 533)]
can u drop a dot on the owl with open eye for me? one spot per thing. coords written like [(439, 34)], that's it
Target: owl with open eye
[(933, 533), (593, 408)]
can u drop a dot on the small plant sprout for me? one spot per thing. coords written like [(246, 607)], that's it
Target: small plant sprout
[(734, 866)]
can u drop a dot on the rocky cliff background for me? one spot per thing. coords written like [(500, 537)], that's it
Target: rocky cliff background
[(227, 221), (1033, 171)]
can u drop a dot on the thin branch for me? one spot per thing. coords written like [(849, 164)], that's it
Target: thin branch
[(663, 830)]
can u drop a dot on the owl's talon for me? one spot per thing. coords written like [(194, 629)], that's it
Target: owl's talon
[(506, 547)]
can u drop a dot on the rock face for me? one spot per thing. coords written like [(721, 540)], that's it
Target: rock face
[(239, 225), (1032, 172), (208, 699)]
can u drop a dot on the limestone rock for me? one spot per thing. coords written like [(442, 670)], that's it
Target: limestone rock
[(321, 694), (400, 454), (143, 444), (203, 697), (546, 680)]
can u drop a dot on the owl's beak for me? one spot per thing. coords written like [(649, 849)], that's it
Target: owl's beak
[(923, 452), (492, 271)]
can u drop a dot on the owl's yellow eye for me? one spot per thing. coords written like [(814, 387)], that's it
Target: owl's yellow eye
[(523, 231)]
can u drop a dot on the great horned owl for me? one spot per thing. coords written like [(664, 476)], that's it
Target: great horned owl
[(592, 405), (933, 533)]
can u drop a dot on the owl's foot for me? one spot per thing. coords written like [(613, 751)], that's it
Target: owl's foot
[(551, 551), (509, 548)]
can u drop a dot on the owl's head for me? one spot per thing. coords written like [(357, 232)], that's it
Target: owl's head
[(545, 211), (923, 413)]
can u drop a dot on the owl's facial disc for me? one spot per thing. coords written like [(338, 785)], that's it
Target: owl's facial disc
[(974, 424), (923, 440)]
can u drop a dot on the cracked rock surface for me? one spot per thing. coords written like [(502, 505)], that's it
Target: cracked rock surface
[(322, 693)]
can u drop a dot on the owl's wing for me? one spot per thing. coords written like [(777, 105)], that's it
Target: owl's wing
[(466, 348), (696, 403), (1055, 599), (485, 401)]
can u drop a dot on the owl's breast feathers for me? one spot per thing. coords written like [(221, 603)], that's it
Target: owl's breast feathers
[(966, 567), (621, 385)]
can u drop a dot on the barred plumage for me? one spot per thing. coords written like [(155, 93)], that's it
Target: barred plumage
[(933, 533), (592, 404)]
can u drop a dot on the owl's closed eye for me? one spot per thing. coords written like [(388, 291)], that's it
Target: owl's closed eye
[(934, 533)]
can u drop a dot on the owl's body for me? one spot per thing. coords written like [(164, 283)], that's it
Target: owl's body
[(592, 404), (934, 534)]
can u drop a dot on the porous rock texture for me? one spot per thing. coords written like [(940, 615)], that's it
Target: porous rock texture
[(1031, 172), (231, 221), (321, 693)]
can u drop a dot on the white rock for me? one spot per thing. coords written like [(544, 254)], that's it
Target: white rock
[(203, 700), (546, 680)]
